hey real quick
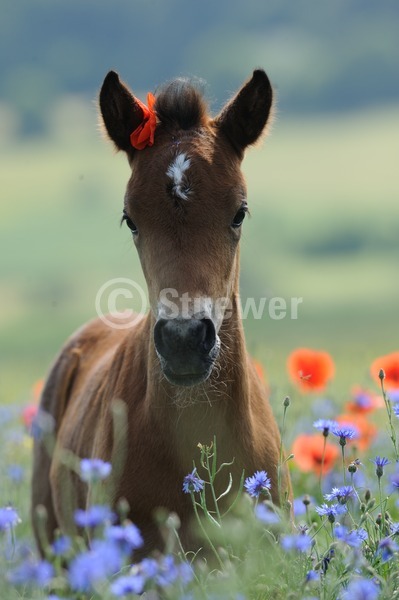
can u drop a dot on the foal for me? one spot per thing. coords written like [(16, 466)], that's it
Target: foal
[(182, 371)]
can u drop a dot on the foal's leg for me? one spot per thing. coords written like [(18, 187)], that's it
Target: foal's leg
[(53, 401)]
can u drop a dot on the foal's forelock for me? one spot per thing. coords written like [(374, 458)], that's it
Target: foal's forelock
[(180, 105)]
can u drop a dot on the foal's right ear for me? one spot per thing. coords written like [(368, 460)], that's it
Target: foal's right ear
[(120, 111)]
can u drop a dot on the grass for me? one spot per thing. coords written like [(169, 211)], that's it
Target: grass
[(327, 555)]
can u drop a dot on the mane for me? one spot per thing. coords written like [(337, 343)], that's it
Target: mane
[(180, 104)]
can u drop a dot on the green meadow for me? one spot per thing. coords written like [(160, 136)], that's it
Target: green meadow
[(323, 195)]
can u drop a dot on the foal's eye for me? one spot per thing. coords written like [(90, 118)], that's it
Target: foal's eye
[(129, 223), (239, 217)]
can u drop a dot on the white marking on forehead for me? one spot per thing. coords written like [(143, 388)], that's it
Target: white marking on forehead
[(177, 173)]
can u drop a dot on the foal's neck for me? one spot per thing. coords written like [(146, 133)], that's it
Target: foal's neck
[(219, 408)]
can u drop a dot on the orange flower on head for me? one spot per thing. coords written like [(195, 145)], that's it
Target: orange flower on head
[(143, 135), (310, 369), (390, 364), (366, 430), (308, 453)]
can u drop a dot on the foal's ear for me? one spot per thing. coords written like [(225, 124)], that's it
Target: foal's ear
[(120, 111), (243, 119)]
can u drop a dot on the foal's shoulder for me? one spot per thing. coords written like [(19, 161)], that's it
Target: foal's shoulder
[(109, 329), (83, 350)]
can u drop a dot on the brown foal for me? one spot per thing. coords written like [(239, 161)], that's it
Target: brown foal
[(182, 371)]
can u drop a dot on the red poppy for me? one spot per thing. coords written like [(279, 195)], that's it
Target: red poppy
[(37, 389), (390, 364), (366, 430), (28, 414), (363, 401), (308, 453), (30, 411), (310, 369)]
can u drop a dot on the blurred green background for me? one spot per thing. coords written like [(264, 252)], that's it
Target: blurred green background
[(323, 189)]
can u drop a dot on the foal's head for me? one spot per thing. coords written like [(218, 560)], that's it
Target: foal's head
[(185, 204)]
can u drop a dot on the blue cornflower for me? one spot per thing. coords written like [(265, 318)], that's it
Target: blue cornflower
[(325, 425), (94, 516), (394, 480), (312, 576), (186, 573), (127, 537), (43, 424), (6, 414), (393, 395), (380, 462), (8, 518), (95, 565), (94, 469), (149, 567), (167, 571), (354, 538), (266, 515), (362, 399), (128, 584), (258, 484), (341, 495), (298, 543), (362, 534), (330, 511), (192, 483), (386, 549), (15, 473), (361, 589), (301, 504), (345, 433), (32, 572), (394, 527), (61, 545)]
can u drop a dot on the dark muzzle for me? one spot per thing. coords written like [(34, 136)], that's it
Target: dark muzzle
[(187, 349)]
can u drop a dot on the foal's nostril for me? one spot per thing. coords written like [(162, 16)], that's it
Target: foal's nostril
[(209, 335), (159, 335)]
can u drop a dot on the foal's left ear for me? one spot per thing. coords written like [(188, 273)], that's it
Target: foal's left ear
[(120, 111), (243, 119)]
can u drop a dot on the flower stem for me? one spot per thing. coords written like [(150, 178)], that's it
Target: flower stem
[(382, 530), (388, 407), (205, 533), (281, 460), (343, 462), (322, 463)]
